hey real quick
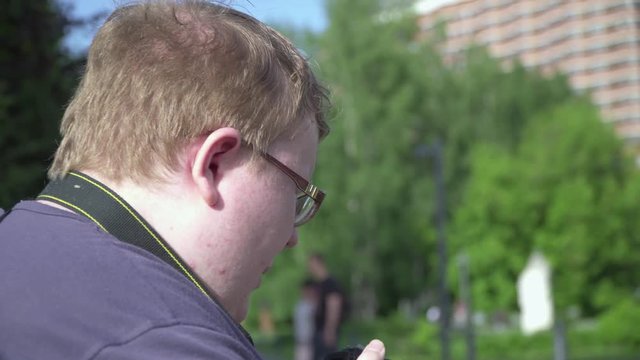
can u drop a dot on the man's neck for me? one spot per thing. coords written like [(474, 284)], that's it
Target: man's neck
[(156, 204)]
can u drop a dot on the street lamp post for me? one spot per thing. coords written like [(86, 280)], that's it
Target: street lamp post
[(465, 294), (435, 152)]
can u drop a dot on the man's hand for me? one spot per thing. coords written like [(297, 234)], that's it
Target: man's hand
[(374, 351)]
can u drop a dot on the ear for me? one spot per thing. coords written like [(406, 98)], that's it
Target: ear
[(217, 147)]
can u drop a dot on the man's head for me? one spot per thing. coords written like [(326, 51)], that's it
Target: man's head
[(160, 74), (317, 267), (178, 106)]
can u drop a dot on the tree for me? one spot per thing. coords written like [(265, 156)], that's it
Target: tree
[(579, 167), (36, 80), (487, 228), (394, 93), (377, 85), (552, 195)]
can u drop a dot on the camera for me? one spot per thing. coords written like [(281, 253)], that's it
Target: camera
[(350, 353)]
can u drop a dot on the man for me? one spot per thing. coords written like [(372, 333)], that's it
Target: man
[(330, 308), (181, 173)]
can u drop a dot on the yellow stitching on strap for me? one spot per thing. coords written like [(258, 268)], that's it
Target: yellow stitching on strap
[(75, 207), (145, 227)]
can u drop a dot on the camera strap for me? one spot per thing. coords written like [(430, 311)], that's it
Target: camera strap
[(87, 196)]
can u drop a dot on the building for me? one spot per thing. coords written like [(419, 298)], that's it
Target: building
[(595, 42)]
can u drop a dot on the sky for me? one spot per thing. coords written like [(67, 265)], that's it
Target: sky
[(299, 13)]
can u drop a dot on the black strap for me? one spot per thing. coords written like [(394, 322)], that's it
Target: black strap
[(89, 197)]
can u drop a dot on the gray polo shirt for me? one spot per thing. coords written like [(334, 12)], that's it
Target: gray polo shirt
[(70, 291)]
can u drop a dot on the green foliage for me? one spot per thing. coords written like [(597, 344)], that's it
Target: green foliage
[(392, 95), (614, 338), (412, 339), (36, 79), (376, 95), (619, 325), (404, 338), (550, 195), (576, 164), (486, 221)]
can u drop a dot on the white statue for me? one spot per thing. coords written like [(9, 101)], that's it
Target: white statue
[(534, 295)]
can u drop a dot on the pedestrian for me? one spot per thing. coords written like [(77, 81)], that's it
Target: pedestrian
[(181, 173), (331, 308), (303, 321)]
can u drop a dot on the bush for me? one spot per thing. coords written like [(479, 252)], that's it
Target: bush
[(619, 325), (410, 339), (612, 338)]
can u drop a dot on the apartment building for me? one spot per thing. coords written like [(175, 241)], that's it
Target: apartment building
[(595, 42)]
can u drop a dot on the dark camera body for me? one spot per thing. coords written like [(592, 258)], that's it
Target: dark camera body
[(350, 353)]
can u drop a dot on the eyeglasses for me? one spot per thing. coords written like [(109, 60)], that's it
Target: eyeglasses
[(309, 196)]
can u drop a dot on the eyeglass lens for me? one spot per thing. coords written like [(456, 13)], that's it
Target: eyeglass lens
[(304, 208)]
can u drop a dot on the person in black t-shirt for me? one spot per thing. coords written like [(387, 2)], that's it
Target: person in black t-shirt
[(330, 309)]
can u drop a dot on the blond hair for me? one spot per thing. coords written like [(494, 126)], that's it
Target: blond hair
[(161, 73)]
